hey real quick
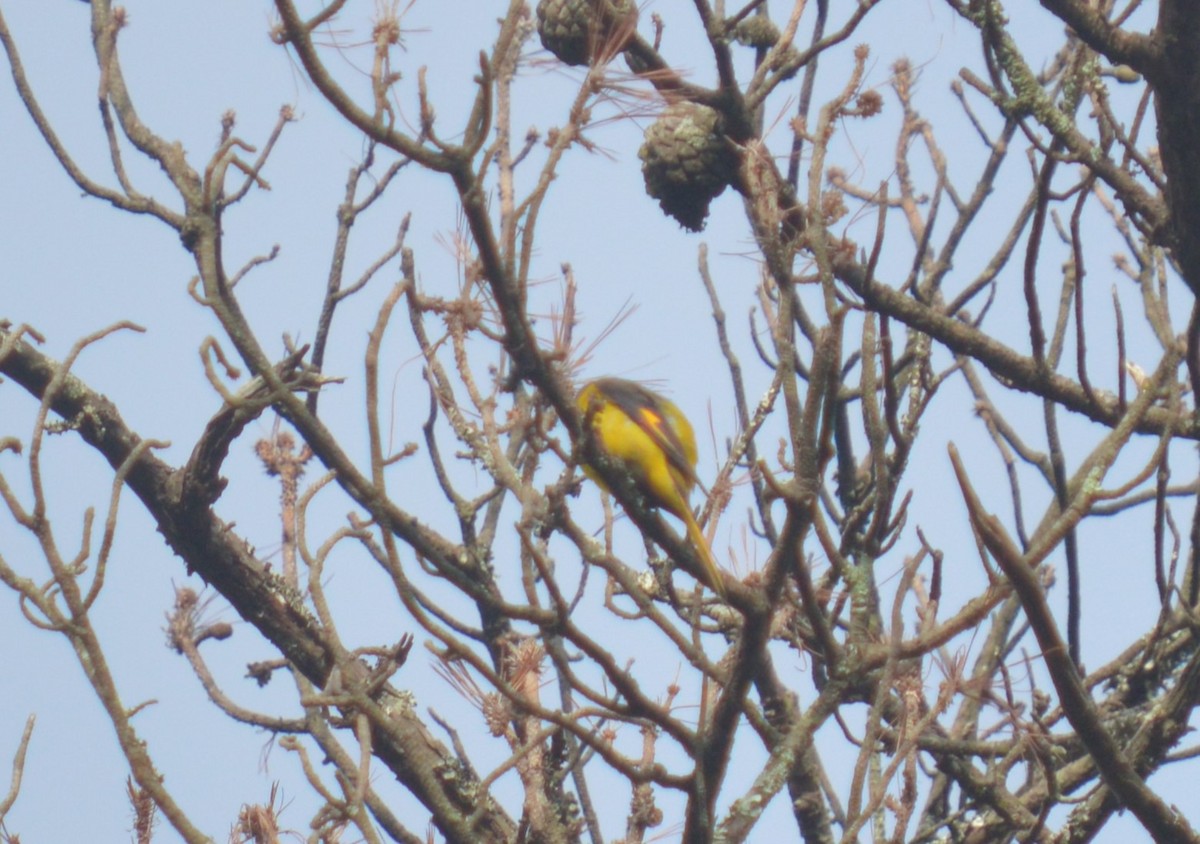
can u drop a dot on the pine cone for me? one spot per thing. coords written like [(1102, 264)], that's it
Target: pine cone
[(756, 31), (567, 28), (760, 32), (687, 162)]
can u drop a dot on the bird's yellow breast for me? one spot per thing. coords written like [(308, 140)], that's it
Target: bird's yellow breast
[(641, 437)]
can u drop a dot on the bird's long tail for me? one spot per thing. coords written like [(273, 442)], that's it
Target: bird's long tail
[(711, 570)]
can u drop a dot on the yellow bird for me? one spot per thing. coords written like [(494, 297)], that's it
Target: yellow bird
[(651, 438)]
